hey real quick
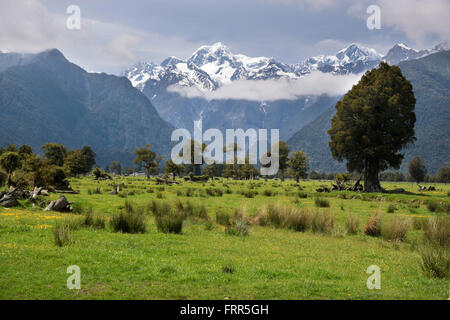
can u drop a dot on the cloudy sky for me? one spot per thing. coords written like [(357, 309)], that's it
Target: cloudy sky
[(115, 34)]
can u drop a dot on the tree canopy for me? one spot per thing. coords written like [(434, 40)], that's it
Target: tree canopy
[(373, 123)]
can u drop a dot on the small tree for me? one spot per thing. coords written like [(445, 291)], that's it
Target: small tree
[(10, 161), (55, 153), (373, 123), (147, 159), (115, 167), (417, 169), (298, 165), (89, 157), (173, 168), (443, 174)]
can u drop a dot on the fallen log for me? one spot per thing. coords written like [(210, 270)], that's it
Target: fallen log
[(165, 181)]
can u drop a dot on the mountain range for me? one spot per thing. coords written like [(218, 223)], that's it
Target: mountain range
[(46, 98), (213, 67)]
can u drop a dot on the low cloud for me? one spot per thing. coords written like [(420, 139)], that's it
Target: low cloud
[(315, 83)]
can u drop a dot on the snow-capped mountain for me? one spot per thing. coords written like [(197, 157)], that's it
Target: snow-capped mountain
[(213, 66), (353, 59), (208, 68), (401, 52)]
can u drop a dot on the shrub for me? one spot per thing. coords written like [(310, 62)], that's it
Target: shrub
[(352, 224), (396, 229), (322, 222), (61, 235), (322, 203), (128, 222), (435, 262), (391, 208), (437, 231), (373, 225)]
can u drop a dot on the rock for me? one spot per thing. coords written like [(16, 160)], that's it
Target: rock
[(61, 205), (8, 201)]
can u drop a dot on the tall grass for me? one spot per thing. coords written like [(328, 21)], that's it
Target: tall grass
[(322, 222), (373, 225), (437, 231), (435, 262), (352, 224), (396, 229), (61, 235), (130, 221)]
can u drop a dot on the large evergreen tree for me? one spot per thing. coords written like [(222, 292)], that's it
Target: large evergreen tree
[(373, 123)]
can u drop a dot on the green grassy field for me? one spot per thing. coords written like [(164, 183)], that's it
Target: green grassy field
[(204, 262)]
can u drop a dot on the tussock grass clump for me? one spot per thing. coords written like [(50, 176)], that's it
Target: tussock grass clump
[(435, 262), (391, 208), (169, 217), (437, 231), (275, 215), (396, 229), (61, 235), (170, 222), (299, 220), (128, 222), (94, 221), (285, 217), (239, 225), (269, 193), (352, 224), (322, 203), (96, 190), (373, 225), (223, 217), (322, 222), (250, 193), (302, 195), (432, 205), (214, 192)]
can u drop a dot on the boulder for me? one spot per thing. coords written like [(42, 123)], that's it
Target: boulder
[(61, 205), (8, 201)]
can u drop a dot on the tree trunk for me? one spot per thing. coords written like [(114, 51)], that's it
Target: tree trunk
[(371, 178)]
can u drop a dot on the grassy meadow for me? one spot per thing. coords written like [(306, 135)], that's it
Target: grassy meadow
[(231, 245)]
